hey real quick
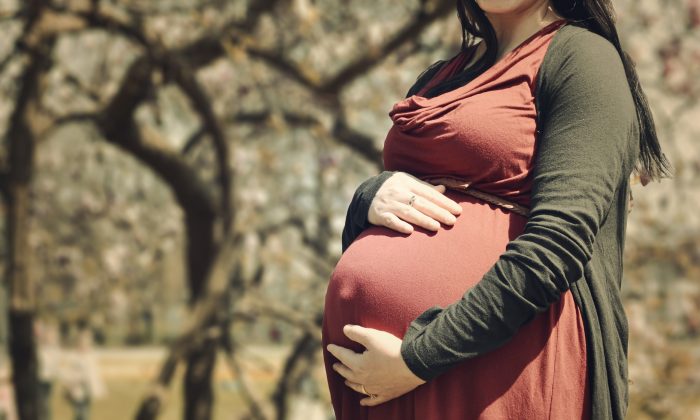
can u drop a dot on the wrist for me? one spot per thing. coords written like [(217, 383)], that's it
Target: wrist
[(369, 190)]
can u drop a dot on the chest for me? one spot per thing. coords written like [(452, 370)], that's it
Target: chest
[(486, 135)]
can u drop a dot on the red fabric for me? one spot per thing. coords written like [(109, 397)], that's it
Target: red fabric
[(483, 131)]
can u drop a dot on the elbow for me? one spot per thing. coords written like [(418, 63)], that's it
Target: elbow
[(553, 254)]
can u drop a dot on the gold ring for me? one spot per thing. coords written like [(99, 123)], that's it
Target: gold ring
[(411, 200), (364, 391)]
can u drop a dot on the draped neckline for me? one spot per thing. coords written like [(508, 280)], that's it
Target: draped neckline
[(458, 61)]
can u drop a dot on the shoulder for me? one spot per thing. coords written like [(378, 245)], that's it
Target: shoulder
[(585, 66), (582, 46)]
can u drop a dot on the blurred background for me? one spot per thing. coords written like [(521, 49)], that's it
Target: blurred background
[(175, 176)]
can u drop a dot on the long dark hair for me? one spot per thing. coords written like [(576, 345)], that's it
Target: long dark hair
[(597, 16)]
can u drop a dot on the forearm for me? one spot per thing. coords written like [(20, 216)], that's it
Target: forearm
[(526, 280)]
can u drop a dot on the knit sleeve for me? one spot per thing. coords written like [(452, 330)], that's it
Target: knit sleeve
[(588, 136)]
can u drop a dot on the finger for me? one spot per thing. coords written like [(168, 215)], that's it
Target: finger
[(433, 211), (426, 190), (346, 356), (415, 216), (392, 221), (357, 333), (344, 371)]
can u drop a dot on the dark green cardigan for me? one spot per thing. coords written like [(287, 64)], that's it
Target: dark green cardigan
[(587, 147)]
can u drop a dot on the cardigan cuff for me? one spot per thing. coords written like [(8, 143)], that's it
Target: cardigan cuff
[(414, 362), (409, 353)]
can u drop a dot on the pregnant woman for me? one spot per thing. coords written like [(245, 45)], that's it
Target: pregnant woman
[(504, 301)]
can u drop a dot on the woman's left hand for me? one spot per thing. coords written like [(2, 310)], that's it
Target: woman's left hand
[(380, 368)]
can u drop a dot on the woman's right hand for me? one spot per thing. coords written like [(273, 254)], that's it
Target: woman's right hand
[(430, 207)]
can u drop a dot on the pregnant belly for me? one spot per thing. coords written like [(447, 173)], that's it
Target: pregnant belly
[(385, 279)]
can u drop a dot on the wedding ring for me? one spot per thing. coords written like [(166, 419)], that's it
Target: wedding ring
[(364, 391), (411, 200)]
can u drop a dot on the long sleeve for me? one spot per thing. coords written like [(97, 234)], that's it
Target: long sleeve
[(356, 216), (588, 136)]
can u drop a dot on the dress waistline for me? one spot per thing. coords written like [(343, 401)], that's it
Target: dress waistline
[(464, 186)]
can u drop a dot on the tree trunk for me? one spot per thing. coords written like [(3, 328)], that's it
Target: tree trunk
[(22, 347), (197, 386), (117, 125), (21, 306), (16, 190), (19, 280), (199, 392), (24, 365)]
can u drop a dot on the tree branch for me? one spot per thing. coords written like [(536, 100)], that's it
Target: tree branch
[(187, 81)]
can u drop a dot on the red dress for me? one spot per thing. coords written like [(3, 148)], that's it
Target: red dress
[(483, 131)]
